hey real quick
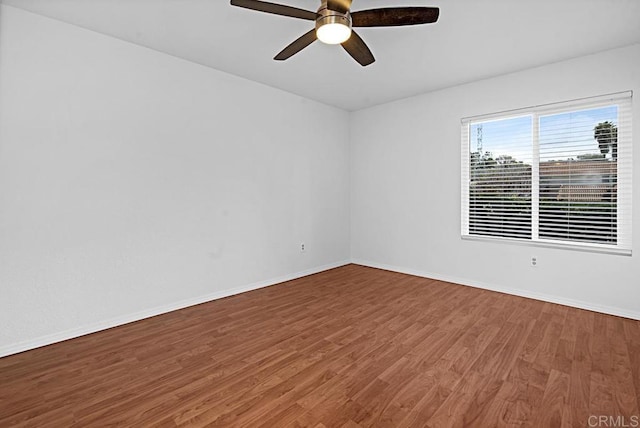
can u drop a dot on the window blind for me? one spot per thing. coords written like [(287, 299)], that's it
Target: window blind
[(554, 174)]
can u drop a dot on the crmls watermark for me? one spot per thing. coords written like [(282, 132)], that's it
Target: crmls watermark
[(614, 421)]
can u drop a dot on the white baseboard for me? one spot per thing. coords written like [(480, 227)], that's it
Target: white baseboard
[(125, 319), (610, 310)]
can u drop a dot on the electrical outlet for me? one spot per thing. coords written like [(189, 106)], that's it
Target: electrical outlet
[(303, 247), (534, 261)]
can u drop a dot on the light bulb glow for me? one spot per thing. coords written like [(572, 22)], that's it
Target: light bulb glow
[(333, 33)]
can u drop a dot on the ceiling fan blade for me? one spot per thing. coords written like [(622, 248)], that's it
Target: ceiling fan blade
[(300, 43), (341, 6), (395, 16), (358, 49), (277, 9)]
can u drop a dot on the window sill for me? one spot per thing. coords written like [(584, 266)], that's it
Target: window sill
[(556, 245)]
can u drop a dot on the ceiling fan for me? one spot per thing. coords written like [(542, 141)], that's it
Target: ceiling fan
[(334, 22)]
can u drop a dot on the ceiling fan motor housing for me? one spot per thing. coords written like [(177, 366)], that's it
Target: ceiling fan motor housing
[(327, 16)]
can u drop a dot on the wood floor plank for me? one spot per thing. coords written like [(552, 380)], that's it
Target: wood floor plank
[(580, 380), (632, 341), (352, 346), (553, 410)]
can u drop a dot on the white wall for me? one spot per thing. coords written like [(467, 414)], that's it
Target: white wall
[(132, 182), (405, 185)]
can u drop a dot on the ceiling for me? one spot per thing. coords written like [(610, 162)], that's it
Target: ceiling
[(473, 39)]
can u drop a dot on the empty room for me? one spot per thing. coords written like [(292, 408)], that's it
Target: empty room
[(319, 213)]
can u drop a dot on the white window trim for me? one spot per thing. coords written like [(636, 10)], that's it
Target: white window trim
[(624, 179)]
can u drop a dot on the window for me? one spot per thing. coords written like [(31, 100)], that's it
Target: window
[(554, 175)]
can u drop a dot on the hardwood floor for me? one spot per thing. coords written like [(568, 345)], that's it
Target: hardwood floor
[(349, 347)]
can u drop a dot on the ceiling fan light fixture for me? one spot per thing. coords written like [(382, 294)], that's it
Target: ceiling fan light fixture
[(333, 33), (332, 27)]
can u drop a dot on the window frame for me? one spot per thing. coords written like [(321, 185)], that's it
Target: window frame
[(624, 173)]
